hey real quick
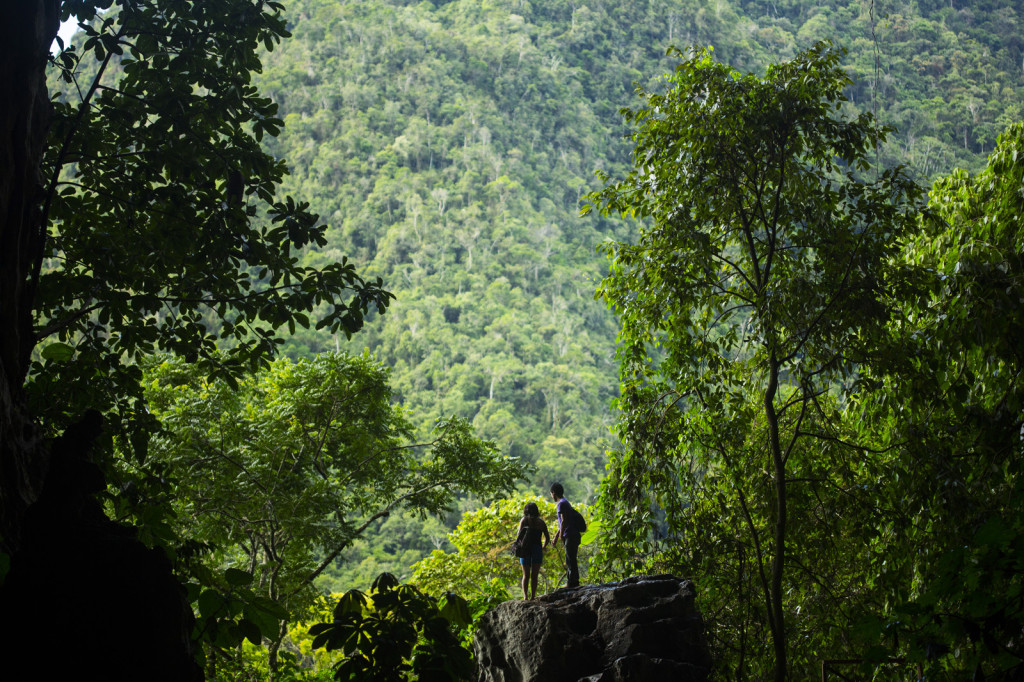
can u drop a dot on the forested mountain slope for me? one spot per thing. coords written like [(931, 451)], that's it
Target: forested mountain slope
[(448, 146)]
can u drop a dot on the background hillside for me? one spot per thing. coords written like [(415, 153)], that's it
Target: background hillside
[(448, 147)]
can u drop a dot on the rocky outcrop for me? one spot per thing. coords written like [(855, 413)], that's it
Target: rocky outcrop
[(644, 628), (85, 599)]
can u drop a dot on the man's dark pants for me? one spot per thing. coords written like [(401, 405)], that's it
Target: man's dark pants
[(572, 549)]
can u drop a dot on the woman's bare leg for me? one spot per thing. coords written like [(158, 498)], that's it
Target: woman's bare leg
[(534, 573), (526, 578)]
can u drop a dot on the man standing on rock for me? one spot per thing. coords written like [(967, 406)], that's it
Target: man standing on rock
[(568, 532)]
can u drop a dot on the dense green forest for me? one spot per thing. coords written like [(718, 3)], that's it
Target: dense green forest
[(448, 147), (450, 151)]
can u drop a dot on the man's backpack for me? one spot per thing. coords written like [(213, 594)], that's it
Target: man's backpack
[(576, 520)]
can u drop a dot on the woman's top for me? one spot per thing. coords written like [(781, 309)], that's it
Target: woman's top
[(535, 529)]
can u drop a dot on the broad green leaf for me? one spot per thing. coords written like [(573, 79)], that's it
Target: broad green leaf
[(58, 352), (238, 578)]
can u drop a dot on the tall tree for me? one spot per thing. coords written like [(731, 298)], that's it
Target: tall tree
[(140, 216), (283, 474), (24, 43), (751, 292)]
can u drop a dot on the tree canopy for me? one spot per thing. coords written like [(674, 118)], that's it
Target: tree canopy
[(750, 295), (278, 475), (816, 419), (140, 216), (950, 411), (164, 231)]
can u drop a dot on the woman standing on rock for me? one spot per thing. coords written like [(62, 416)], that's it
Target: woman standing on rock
[(531, 528)]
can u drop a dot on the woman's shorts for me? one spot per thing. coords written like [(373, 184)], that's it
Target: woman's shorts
[(536, 556)]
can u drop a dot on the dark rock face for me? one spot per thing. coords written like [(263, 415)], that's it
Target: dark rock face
[(640, 629), (84, 599)]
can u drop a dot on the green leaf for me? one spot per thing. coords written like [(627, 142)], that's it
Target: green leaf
[(271, 607), (352, 602), (210, 603), (238, 578), (994, 532), (593, 529), (385, 582), (58, 352), (262, 618), (455, 609), (251, 631)]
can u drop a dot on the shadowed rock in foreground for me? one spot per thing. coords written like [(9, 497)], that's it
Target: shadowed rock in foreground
[(84, 598), (642, 628)]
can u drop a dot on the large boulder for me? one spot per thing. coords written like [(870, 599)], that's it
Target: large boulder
[(642, 628)]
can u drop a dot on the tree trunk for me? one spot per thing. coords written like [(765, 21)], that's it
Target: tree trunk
[(274, 647), (26, 33), (777, 617)]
